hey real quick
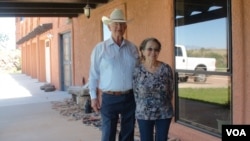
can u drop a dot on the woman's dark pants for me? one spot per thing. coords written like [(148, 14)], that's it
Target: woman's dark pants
[(158, 127)]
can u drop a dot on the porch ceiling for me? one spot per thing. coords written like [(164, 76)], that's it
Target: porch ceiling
[(194, 11), (46, 8)]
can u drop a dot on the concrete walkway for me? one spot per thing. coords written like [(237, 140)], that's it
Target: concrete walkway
[(26, 113)]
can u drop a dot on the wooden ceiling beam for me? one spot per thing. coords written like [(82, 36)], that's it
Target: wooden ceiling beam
[(206, 16), (40, 5), (56, 1), (39, 15), (44, 8)]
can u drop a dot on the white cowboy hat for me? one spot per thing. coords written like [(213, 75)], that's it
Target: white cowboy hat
[(116, 16)]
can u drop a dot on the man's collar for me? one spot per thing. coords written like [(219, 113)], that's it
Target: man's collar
[(111, 41)]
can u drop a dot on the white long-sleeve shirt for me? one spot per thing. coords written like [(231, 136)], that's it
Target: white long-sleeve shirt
[(112, 66)]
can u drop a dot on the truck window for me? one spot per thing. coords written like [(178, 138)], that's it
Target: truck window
[(178, 51)]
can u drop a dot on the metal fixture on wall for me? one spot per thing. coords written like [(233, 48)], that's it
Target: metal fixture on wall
[(69, 20), (87, 10), (49, 36)]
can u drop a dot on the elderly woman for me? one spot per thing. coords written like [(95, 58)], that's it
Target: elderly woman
[(153, 90)]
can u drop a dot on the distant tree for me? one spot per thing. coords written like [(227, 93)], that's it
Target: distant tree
[(9, 59), (3, 39)]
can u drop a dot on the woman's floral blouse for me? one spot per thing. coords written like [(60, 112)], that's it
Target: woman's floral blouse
[(153, 92)]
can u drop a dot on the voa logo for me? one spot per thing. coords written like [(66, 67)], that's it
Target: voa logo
[(236, 132)]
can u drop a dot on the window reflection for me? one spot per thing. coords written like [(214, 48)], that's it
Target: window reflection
[(205, 40), (205, 104), (202, 55)]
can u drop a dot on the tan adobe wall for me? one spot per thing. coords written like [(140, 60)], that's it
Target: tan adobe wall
[(143, 24), (241, 63)]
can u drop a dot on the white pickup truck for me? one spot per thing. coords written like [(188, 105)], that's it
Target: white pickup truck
[(183, 62)]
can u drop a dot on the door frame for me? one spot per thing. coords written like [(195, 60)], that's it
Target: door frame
[(61, 50)]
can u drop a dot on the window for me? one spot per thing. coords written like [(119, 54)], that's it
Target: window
[(178, 51), (106, 32), (203, 64)]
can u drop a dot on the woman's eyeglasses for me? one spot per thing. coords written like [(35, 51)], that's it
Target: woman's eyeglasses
[(153, 49)]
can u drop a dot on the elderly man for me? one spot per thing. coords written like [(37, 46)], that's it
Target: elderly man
[(112, 65)]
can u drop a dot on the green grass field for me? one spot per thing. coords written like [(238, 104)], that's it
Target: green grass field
[(211, 95)]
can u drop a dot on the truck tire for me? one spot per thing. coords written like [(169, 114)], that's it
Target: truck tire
[(201, 78), (183, 79)]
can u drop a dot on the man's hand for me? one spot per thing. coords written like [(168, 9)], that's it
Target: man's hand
[(95, 105)]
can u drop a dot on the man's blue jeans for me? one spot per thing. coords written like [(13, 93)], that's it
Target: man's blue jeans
[(147, 128), (112, 108)]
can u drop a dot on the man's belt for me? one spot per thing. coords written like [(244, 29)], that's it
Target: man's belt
[(118, 92)]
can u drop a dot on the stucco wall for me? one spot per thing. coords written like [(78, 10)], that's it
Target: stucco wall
[(146, 19), (241, 65)]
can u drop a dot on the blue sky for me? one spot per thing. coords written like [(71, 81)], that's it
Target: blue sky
[(206, 34), (7, 26)]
